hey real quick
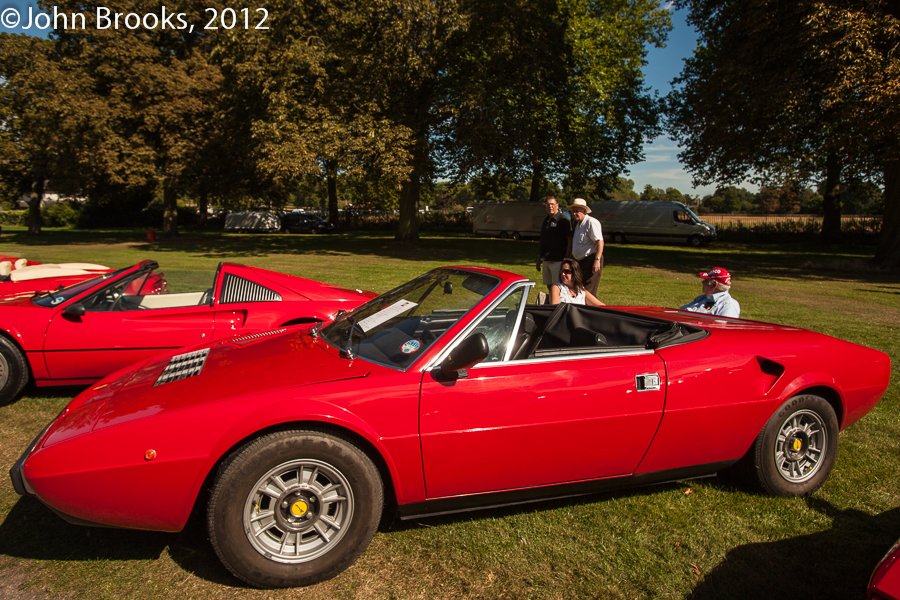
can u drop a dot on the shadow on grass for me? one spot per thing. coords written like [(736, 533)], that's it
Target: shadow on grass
[(765, 261), (32, 531), (836, 563)]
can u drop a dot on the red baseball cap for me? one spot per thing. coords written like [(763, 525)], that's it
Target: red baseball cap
[(719, 274)]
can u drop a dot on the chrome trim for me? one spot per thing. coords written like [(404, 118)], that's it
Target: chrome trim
[(566, 357), (477, 321)]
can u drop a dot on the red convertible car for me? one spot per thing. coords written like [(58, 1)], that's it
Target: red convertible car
[(18, 275), (81, 333), (446, 394)]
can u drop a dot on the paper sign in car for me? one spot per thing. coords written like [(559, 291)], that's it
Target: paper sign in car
[(389, 312)]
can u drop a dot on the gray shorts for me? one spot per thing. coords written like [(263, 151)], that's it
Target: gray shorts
[(550, 271)]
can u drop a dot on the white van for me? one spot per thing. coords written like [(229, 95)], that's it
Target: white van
[(511, 219), (638, 220)]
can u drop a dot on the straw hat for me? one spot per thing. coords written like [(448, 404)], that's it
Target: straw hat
[(580, 203)]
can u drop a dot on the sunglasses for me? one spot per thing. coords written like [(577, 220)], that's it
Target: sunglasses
[(566, 271)]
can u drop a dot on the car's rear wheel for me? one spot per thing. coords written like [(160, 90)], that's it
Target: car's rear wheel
[(618, 238), (795, 451), (293, 508), (503, 235), (13, 371)]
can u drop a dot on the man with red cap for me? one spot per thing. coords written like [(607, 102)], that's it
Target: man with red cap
[(715, 299)]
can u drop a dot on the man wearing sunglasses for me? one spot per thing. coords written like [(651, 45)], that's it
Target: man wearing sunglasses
[(716, 297), (556, 243)]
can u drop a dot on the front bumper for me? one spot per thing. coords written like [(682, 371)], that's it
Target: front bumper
[(20, 484)]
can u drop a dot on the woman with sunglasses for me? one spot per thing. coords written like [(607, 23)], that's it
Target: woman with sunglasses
[(570, 289)]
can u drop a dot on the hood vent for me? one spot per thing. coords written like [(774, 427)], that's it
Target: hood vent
[(183, 366), (246, 339), (237, 289)]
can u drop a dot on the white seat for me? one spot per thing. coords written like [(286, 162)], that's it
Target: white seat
[(5, 268), (35, 272), (21, 263), (83, 266)]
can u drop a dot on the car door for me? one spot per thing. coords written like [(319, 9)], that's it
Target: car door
[(516, 424), (113, 334)]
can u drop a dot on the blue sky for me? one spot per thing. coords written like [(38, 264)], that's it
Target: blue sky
[(661, 168)]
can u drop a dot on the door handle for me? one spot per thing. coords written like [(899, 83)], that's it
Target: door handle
[(646, 382)]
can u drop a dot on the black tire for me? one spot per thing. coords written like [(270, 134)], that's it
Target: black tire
[(695, 241), (794, 453), (14, 371), (516, 235), (618, 238), (503, 235), (321, 475)]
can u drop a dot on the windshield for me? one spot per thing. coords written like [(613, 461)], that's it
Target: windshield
[(67, 293), (693, 216), (395, 328)]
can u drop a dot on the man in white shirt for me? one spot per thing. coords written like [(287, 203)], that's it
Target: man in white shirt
[(715, 299), (587, 244)]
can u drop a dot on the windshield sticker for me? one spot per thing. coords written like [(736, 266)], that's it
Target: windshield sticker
[(410, 346), (57, 300), (385, 314)]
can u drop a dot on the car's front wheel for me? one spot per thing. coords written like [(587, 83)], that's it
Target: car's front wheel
[(293, 508), (795, 451), (13, 371)]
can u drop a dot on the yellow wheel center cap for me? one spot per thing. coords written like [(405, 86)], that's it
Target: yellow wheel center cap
[(299, 508), (797, 445)]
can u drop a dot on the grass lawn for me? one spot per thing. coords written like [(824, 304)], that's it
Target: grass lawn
[(698, 539)]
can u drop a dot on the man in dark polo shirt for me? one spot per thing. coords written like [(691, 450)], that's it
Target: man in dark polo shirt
[(556, 242)]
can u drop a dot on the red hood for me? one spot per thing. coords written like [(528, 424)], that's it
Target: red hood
[(242, 366), (314, 290)]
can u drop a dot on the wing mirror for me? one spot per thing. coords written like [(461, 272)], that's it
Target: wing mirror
[(466, 355), (75, 310)]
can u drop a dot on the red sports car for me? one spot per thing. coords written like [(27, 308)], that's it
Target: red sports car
[(18, 275), (445, 394), (81, 333), (885, 581)]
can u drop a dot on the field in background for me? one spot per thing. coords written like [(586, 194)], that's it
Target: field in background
[(700, 539)]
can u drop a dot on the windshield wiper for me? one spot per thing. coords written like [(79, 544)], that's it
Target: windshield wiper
[(354, 326)]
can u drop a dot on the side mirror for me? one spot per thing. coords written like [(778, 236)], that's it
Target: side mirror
[(466, 355), (448, 287), (75, 310)]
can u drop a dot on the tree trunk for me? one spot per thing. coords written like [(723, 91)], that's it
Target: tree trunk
[(34, 205), (537, 177), (408, 231), (831, 204), (203, 208), (331, 181), (888, 253), (170, 210)]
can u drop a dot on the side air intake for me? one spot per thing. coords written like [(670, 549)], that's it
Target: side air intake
[(237, 289)]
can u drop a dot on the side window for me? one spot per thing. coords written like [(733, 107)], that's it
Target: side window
[(126, 294), (498, 325)]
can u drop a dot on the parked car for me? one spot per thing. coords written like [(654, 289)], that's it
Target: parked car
[(885, 581), (305, 222), (84, 332), (252, 221), (444, 394), (21, 276)]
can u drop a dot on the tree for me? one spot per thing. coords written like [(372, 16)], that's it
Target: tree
[(552, 90), (860, 41), (752, 101), (152, 93), (37, 103)]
